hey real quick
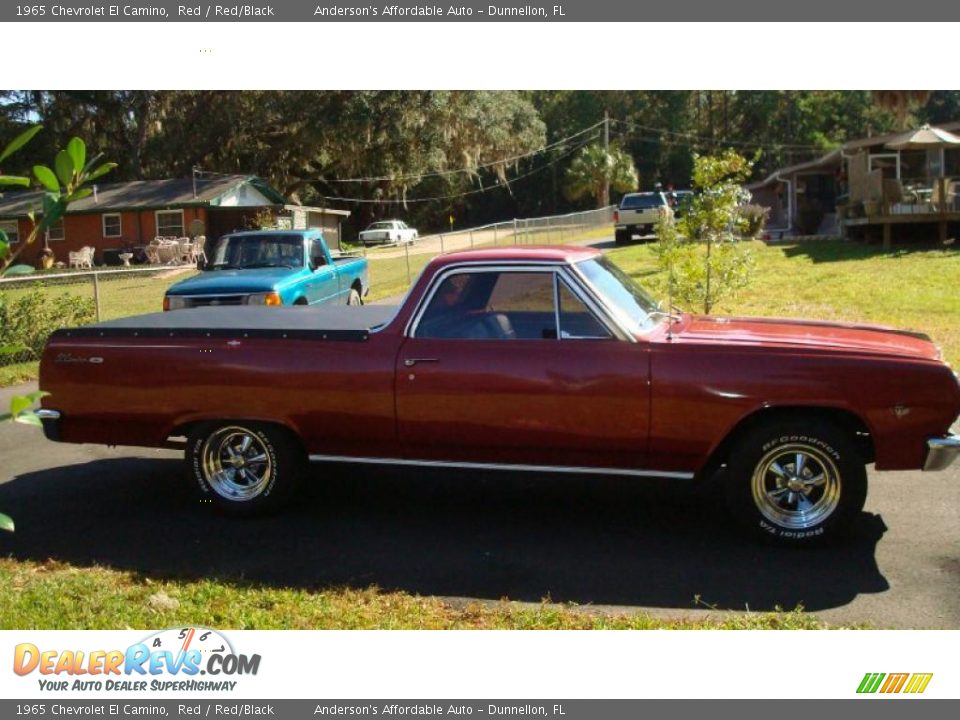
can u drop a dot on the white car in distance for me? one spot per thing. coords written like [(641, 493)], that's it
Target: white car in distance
[(387, 232)]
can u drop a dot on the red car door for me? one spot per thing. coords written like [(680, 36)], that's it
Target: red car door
[(500, 388)]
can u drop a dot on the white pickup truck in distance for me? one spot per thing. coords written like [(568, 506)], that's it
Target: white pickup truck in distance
[(388, 232), (638, 214)]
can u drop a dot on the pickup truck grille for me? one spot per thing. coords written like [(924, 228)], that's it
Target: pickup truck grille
[(213, 300)]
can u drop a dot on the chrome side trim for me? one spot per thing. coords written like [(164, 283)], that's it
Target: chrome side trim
[(941, 452), (46, 414), (504, 466)]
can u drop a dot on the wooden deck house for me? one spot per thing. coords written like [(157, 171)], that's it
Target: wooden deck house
[(868, 190)]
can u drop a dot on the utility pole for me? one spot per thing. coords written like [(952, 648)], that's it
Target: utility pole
[(606, 154)]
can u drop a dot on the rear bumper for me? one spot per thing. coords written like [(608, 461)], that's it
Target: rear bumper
[(941, 452), (51, 423)]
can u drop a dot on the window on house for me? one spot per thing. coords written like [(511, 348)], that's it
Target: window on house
[(12, 230), (111, 225), (55, 231), (170, 223)]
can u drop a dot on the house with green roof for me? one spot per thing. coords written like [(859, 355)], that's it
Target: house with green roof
[(125, 215)]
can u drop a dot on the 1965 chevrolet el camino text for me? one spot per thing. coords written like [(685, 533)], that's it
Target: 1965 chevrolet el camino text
[(544, 359)]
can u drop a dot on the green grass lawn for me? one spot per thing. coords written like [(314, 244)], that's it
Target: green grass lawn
[(55, 596), (836, 280)]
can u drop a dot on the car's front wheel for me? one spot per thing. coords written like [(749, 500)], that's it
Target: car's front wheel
[(244, 467), (796, 482)]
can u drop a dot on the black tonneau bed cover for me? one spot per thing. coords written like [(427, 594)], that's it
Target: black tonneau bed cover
[(326, 323)]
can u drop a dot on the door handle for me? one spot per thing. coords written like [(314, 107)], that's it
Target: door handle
[(410, 362)]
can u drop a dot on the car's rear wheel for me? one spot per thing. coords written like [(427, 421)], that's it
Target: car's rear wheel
[(621, 236), (244, 468), (796, 482)]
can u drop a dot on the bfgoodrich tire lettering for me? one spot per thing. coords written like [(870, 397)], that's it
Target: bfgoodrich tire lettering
[(244, 468), (796, 482)]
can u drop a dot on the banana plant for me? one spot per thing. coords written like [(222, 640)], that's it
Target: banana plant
[(65, 183)]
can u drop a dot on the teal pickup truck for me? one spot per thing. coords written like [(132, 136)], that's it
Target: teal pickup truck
[(272, 267)]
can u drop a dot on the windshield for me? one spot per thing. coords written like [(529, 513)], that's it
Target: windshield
[(641, 202), (628, 300), (258, 251), (381, 226)]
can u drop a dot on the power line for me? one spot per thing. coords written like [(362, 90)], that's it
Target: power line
[(700, 139), (476, 191), (460, 171)]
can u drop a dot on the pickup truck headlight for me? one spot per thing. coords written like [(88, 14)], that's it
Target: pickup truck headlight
[(173, 302), (267, 298)]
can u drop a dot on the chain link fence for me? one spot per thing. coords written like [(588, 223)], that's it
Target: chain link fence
[(31, 307), (393, 268)]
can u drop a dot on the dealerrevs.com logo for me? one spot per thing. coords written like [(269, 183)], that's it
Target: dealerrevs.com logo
[(910, 683), (178, 659)]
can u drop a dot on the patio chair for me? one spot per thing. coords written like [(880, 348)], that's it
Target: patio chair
[(944, 195), (152, 251), (198, 249), (185, 249), (82, 258)]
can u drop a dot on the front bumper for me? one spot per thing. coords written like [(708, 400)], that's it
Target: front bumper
[(941, 452)]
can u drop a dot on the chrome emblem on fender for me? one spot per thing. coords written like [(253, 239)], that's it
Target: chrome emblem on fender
[(70, 358), (901, 411)]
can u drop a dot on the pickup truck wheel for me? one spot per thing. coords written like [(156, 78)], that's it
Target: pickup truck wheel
[(354, 297), (244, 468), (621, 236), (796, 483)]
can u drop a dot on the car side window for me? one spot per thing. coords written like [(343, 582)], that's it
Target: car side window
[(317, 258), (507, 306), (577, 322)]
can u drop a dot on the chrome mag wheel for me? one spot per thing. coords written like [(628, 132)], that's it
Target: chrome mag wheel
[(236, 463), (796, 486)]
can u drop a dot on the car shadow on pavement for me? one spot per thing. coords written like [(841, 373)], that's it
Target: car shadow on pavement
[(482, 535)]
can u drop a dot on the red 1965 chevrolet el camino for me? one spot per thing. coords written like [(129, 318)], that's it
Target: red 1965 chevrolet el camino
[(542, 359)]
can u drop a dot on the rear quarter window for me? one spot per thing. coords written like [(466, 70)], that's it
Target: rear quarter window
[(642, 202)]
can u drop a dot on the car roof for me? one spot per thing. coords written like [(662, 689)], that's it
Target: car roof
[(530, 253)]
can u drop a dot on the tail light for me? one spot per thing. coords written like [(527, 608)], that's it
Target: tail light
[(616, 216), (166, 303)]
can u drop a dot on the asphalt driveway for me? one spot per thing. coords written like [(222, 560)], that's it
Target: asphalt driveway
[(615, 544)]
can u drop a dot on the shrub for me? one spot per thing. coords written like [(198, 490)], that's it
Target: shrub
[(28, 317), (753, 219)]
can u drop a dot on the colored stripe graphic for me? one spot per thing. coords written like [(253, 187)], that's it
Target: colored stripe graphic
[(894, 683), (870, 682), (918, 683)]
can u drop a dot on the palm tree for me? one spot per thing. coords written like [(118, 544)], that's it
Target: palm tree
[(594, 167), (900, 102)]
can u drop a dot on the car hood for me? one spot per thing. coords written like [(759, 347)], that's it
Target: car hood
[(234, 281), (804, 334)]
